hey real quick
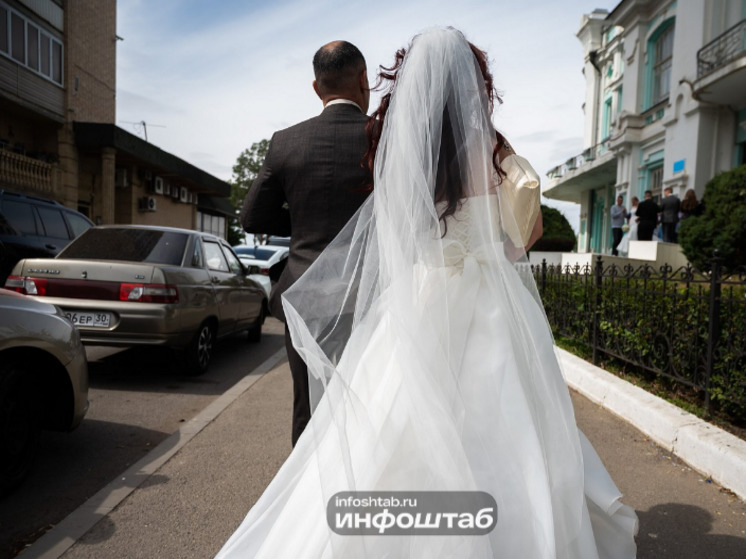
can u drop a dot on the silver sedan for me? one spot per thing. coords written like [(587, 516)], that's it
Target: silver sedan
[(43, 380), (136, 285)]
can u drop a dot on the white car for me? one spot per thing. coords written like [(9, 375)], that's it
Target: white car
[(265, 263)]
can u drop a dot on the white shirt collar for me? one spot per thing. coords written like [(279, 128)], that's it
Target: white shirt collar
[(342, 102)]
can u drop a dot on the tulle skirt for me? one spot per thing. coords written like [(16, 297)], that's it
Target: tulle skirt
[(488, 411)]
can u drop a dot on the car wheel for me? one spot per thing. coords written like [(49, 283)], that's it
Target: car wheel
[(20, 425), (255, 332), (198, 353)]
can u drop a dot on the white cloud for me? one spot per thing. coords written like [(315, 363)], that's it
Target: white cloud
[(219, 80)]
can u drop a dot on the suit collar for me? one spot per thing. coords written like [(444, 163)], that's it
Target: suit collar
[(342, 103)]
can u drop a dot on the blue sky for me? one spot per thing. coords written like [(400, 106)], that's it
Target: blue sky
[(212, 77)]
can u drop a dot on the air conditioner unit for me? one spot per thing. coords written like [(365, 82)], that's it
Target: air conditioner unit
[(121, 179), (184, 195), (147, 203), (158, 185), (175, 192), (195, 198), (166, 188)]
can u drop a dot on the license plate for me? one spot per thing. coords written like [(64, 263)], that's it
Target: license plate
[(90, 319)]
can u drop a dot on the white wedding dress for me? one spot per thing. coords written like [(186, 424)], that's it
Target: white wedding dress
[(432, 364), (631, 234)]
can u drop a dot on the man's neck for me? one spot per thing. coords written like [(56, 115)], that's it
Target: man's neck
[(341, 101)]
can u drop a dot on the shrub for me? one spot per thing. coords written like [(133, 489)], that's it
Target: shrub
[(722, 226), (558, 233)]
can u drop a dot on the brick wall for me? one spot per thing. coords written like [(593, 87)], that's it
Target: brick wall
[(90, 60)]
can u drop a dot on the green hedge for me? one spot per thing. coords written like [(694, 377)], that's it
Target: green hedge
[(722, 226), (658, 326)]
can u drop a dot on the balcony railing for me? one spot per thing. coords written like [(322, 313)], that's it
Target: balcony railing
[(723, 49), (28, 173), (578, 161)]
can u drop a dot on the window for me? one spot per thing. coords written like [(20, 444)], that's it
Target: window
[(214, 224), (663, 55), (4, 29), (132, 245), (606, 125), (32, 47), (21, 217), (214, 257), (17, 38), (53, 223), (29, 45), (233, 262), (77, 224), (619, 100), (655, 179), (197, 261)]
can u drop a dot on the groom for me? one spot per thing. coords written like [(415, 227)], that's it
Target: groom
[(309, 185)]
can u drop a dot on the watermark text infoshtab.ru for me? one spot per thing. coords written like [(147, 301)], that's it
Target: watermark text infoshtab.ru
[(395, 513)]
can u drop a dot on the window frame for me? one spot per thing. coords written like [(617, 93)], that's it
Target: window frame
[(54, 58), (658, 67)]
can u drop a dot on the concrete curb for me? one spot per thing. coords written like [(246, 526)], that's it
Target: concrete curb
[(59, 539), (706, 448)]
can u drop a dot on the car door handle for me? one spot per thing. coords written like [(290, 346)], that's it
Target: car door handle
[(51, 247), (215, 279)]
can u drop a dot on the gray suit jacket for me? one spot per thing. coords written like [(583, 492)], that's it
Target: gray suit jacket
[(670, 209), (315, 167)]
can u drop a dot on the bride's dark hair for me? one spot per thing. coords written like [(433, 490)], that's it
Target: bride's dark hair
[(449, 187)]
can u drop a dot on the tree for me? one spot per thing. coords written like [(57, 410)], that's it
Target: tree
[(722, 225), (245, 170), (558, 233)]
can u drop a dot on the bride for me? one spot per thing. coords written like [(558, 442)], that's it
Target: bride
[(430, 359)]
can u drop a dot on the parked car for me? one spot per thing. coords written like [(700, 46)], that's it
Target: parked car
[(275, 241), (129, 285), (34, 227), (43, 380), (270, 260), (254, 272)]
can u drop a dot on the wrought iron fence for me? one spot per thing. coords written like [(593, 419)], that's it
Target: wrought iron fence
[(722, 50), (684, 325)]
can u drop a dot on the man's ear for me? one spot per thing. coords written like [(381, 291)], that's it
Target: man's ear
[(364, 86), (316, 89)]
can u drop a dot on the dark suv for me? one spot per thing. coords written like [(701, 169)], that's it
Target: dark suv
[(34, 227)]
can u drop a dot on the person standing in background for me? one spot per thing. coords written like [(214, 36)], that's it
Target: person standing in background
[(618, 216), (647, 211), (670, 206)]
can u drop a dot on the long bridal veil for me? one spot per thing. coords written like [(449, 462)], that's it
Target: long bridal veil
[(430, 359)]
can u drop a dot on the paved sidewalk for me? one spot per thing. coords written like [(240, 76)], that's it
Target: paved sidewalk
[(189, 494)]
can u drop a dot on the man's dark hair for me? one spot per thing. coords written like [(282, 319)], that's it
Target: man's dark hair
[(336, 65)]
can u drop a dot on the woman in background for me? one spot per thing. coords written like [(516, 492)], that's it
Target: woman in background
[(631, 234)]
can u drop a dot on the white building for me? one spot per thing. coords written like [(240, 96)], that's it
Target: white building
[(665, 105)]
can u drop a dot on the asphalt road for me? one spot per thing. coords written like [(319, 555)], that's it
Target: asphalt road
[(194, 501), (192, 504), (138, 397)]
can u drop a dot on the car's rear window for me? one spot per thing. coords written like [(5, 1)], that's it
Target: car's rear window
[(133, 245), (263, 254)]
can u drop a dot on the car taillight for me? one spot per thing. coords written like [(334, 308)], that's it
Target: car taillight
[(264, 271), (27, 286), (148, 293)]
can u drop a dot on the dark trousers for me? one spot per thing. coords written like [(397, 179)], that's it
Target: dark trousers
[(645, 230), (669, 232), (301, 403), (617, 234)]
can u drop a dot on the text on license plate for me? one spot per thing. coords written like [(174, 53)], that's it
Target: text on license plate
[(95, 319)]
